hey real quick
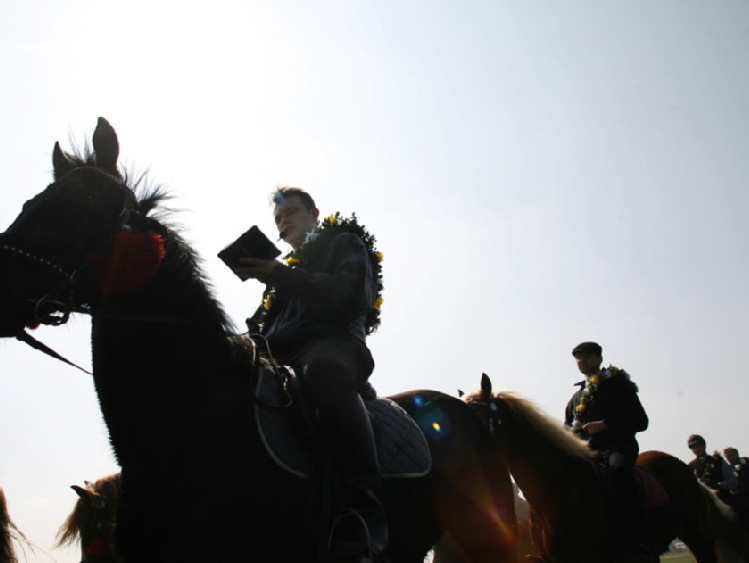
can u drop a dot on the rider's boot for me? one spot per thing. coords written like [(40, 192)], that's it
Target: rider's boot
[(360, 533), (634, 547)]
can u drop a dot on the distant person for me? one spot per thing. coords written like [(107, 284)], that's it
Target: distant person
[(606, 411), (741, 494), (712, 470)]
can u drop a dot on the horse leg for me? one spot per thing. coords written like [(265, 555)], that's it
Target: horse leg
[(702, 548)]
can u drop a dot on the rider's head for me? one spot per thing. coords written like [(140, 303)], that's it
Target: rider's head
[(732, 456), (697, 444), (295, 215), (588, 357)]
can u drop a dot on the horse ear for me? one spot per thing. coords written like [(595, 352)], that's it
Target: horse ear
[(460, 393), (486, 386), (61, 164), (80, 491), (106, 146)]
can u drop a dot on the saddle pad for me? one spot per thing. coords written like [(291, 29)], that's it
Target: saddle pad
[(655, 495), (402, 449)]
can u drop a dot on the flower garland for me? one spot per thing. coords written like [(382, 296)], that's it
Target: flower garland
[(587, 395), (331, 226)]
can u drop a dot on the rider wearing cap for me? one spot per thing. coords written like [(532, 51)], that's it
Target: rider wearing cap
[(606, 411), (712, 470)]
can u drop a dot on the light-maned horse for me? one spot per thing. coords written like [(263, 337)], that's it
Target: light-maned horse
[(175, 387), (92, 521), (563, 484)]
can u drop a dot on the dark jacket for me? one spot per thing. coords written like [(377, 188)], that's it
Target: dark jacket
[(615, 401), (742, 471), (330, 296), (714, 471)]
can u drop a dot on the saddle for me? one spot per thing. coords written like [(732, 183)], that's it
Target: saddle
[(402, 449), (653, 493)]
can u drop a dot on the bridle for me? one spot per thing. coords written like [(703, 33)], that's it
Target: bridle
[(51, 308), (54, 307), (494, 419)]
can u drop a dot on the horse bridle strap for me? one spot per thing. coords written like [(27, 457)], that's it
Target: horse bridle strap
[(36, 345), (493, 416), (34, 258)]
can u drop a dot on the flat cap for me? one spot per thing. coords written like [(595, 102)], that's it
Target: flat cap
[(585, 347), (695, 439)]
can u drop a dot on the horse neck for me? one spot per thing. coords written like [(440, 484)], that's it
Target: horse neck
[(537, 462), (176, 308), (157, 352)]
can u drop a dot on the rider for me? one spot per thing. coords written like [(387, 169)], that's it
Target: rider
[(741, 494), (316, 324), (607, 412), (712, 470)]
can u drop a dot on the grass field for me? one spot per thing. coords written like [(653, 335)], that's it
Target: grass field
[(684, 557)]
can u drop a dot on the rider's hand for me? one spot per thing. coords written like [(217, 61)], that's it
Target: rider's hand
[(595, 427), (255, 268)]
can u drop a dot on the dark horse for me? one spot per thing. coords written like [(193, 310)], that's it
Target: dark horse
[(92, 521), (563, 484), (175, 387)]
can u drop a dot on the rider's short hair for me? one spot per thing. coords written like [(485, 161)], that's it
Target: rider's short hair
[(286, 191)]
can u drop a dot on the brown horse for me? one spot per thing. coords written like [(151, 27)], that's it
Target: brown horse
[(92, 521), (177, 389), (8, 531), (563, 484)]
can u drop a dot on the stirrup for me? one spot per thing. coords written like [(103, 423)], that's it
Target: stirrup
[(354, 547)]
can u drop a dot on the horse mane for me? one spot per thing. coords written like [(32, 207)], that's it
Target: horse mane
[(151, 199), (8, 532), (107, 488), (539, 423)]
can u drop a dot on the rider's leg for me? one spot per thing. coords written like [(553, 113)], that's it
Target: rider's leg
[(621, 463), (332, 372)]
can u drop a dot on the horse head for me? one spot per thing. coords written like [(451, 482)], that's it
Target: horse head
[(74, 239), (491, 408), (93, 519)]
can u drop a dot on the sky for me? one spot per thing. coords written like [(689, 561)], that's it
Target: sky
[(536, 174)]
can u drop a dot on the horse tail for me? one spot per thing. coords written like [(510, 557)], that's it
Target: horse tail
[(713, 519)]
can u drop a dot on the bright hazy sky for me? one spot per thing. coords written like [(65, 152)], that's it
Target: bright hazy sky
[(536, 174)]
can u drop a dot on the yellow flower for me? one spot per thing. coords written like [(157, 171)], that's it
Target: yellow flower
[(378, 302), (291, 261), (380, 256), (268, 301), (331, 220), (580, 407), (594, 378)]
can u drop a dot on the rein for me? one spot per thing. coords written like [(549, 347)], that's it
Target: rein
[(42, 347)]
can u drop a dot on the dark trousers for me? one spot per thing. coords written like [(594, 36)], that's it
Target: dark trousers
[(332, 367), (334, 370), (621, 459)]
